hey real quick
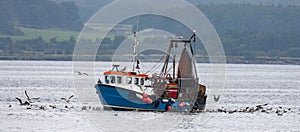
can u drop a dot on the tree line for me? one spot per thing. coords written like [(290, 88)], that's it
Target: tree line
[(246, 30), (59, 50), (37, 45)]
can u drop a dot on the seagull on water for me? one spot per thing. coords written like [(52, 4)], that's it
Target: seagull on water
[(83, 73)]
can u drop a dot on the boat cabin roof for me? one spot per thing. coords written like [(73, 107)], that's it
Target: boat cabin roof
[(133, 74)]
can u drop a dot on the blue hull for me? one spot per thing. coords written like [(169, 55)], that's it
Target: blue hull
[(116, 97)]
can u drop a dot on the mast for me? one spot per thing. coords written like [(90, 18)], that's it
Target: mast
[(174, 63), (135, 45), (173, 43)]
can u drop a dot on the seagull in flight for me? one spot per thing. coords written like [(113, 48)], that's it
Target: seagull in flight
[(67, 99), (216, 98), (21, 102)]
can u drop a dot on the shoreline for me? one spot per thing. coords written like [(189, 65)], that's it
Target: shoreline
[(229, 60)]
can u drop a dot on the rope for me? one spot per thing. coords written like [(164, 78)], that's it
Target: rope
[(156, 65)]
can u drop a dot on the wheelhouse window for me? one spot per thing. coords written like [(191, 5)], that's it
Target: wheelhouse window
[(136, 81), (119, 79), (112, 79), (128, 80), (142, 81), (106, 79), (148, 83)]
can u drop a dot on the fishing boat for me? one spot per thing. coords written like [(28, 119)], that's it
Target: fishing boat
[(175, 88)]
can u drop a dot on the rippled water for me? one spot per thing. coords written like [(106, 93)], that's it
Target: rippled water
[(246, 86)]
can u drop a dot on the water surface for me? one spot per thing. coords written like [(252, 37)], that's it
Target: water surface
[(246, 86)]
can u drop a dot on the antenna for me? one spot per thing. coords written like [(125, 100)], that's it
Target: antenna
[(137, 25)]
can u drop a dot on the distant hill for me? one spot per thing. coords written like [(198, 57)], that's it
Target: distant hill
[(89, 7), (256, 33), (37, 14), (249, 29), (255, 2)]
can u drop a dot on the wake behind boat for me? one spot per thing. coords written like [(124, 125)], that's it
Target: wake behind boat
[(175, 88)]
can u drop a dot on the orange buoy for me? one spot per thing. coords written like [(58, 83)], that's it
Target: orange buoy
[(169, 107), (145, 95), (149, 101), (144, 100), (182, 104)]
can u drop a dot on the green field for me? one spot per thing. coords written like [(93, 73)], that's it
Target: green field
[(62, 35), (46, 34), (94, 32)]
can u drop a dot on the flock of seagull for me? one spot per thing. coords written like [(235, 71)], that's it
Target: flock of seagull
[(263, 108)]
